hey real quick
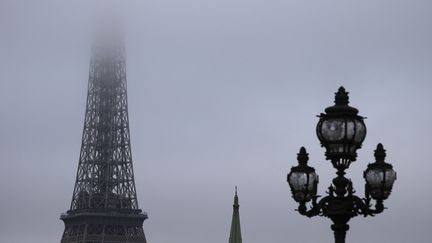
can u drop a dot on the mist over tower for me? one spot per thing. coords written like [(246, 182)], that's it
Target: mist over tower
[(104, 205)]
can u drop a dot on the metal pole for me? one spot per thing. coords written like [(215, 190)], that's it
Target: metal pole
[(340, 232)]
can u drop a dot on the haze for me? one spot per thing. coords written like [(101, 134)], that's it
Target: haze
[(221, 94)]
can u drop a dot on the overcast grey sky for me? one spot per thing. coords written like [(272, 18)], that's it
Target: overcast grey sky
[(221, 93)]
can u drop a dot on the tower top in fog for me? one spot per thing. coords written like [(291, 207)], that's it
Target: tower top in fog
[(104, 204)]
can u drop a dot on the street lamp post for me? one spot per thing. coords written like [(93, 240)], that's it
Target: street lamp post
[(341, 131)]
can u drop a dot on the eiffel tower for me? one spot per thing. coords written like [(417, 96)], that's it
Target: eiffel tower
[(104, 206)]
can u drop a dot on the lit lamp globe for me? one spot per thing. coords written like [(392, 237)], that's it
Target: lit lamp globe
[(341, 131), (379, 176), (302, 179)]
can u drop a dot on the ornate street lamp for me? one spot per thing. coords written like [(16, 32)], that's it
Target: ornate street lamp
[(341, 131)]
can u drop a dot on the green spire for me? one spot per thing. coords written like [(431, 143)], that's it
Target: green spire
[(235, 234)]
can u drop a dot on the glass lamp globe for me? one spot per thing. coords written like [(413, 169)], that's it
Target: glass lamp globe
[(341, 130), (302, 179), (379, 176)]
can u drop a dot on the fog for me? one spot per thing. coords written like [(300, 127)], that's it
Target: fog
[(221, 94)]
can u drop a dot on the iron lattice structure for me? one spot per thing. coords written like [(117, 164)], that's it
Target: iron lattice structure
[(104, 206)]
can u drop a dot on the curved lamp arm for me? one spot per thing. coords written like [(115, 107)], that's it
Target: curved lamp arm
[(354, 206)]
